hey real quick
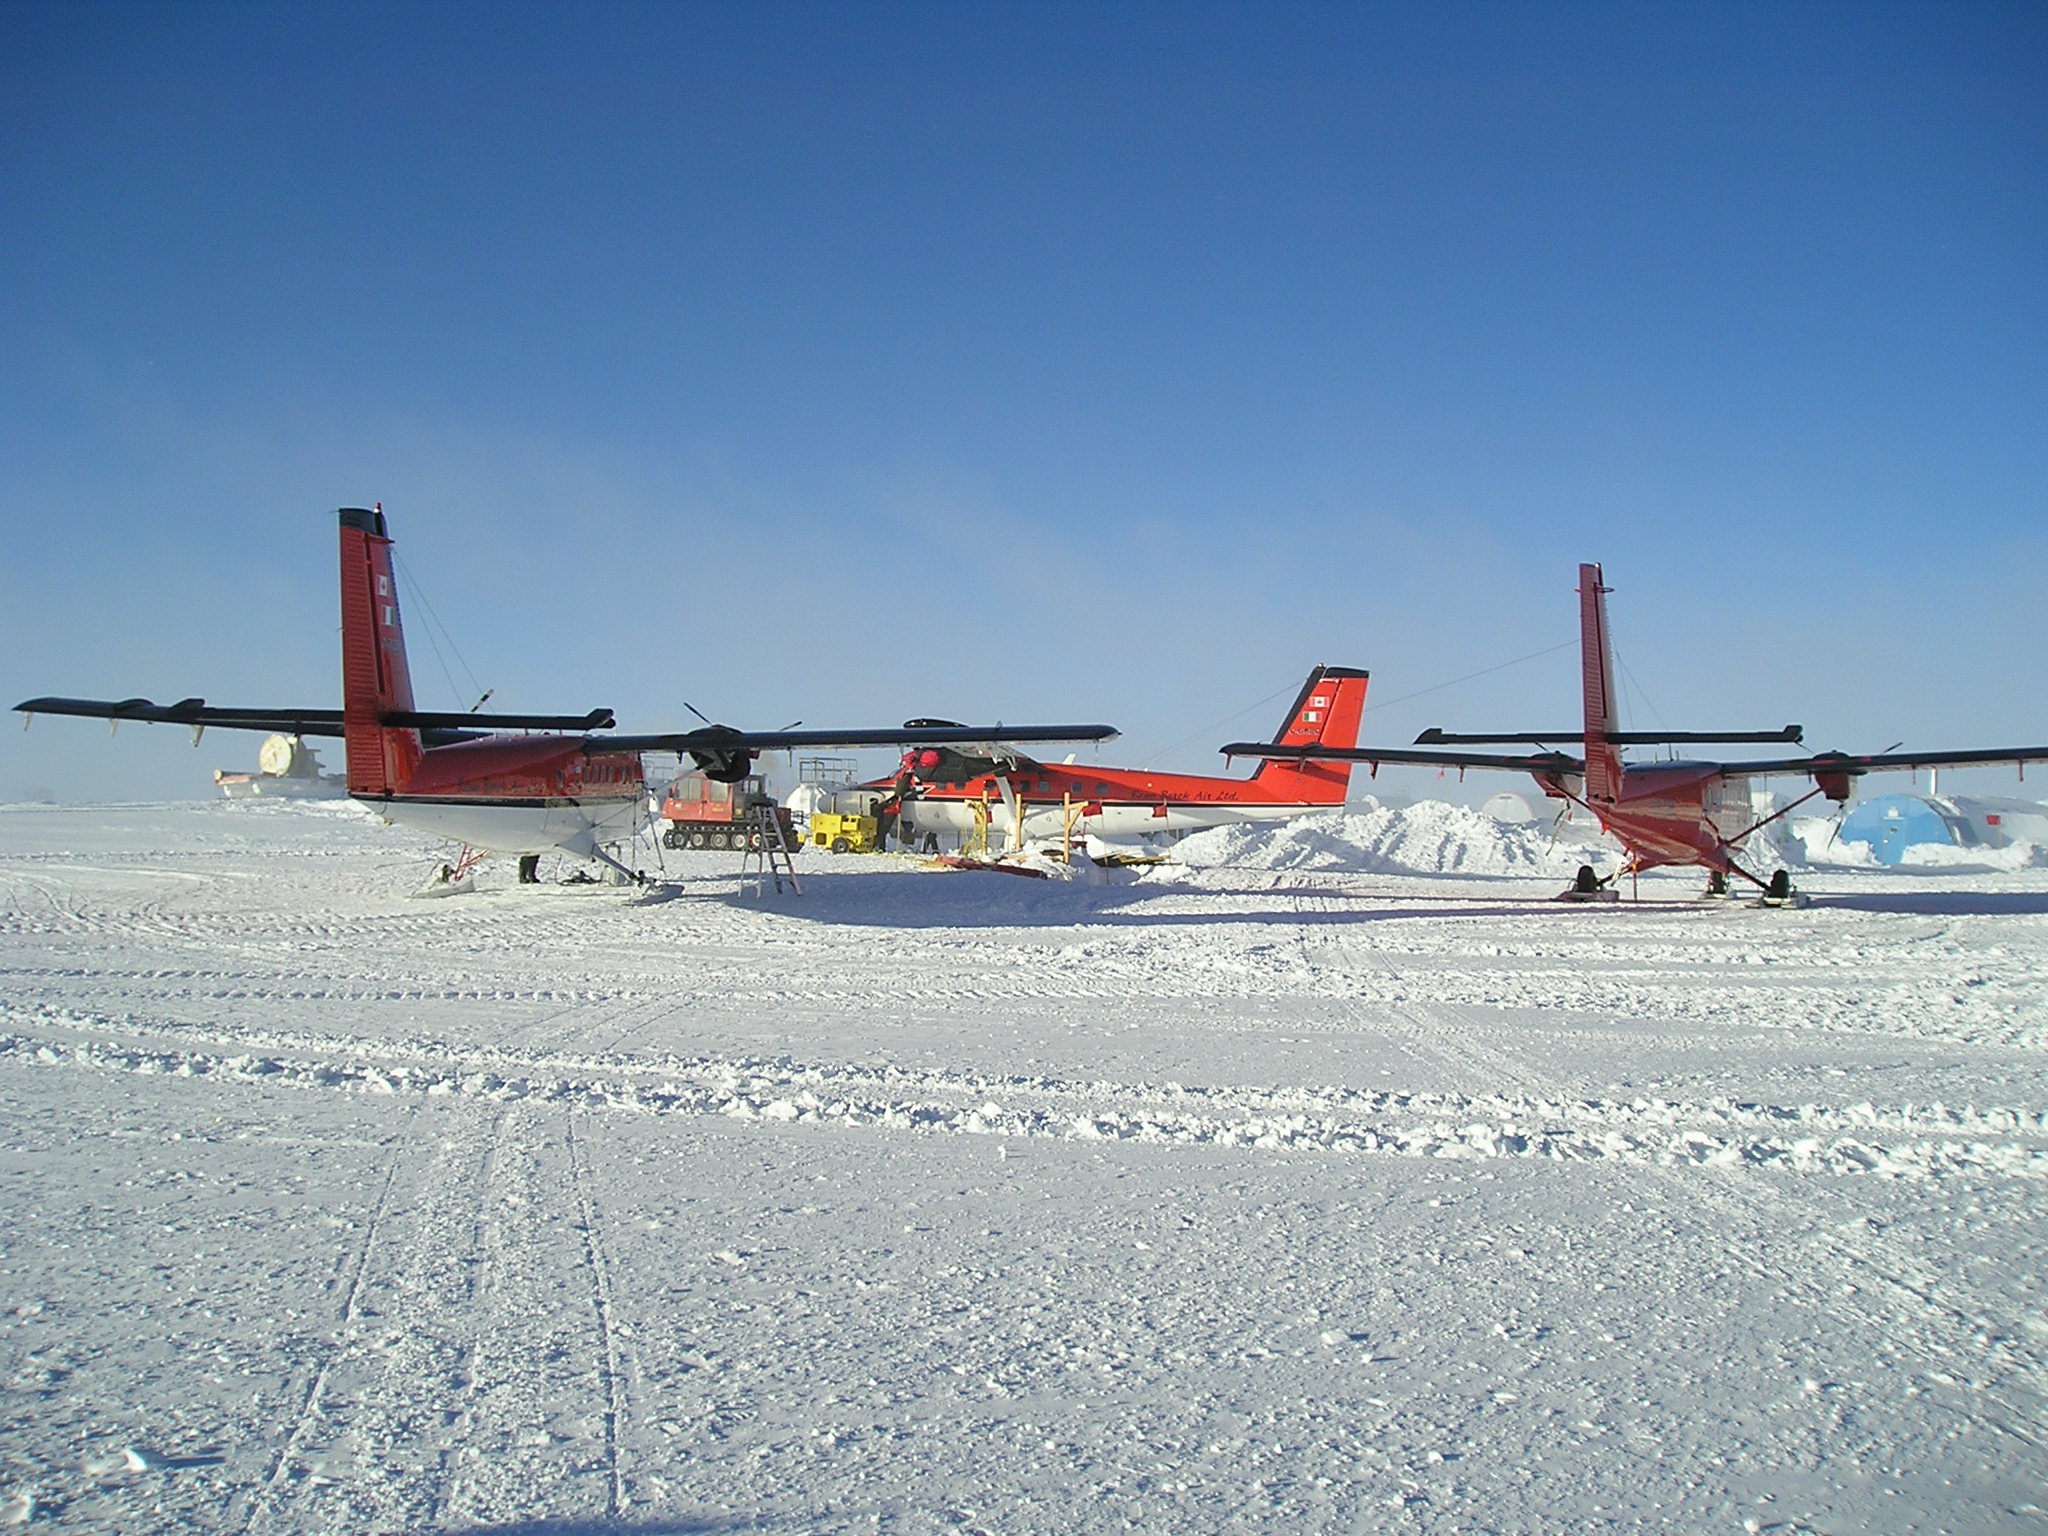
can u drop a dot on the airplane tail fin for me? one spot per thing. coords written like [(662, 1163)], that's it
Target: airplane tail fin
[(375, 680), (1325, 714), (1596, 677)]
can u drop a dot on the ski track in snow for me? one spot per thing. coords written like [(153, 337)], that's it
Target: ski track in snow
[(1459, 1036), (1289, 1189), (1906, 1141)]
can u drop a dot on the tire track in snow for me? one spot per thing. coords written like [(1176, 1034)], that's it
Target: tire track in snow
[(1448, 1032), (616, 1017), (600, 1272), (411, 1371), (309, 1412), (1947, 1333), (372, 1447), (71, 911), (547, 1410), (482, 1268), (1708, 979), (1944, 1333)]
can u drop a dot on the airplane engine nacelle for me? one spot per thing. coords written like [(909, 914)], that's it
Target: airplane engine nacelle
[(719, 763), (1836, 785), (723, 769)]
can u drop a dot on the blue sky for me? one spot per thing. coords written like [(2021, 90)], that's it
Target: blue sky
[(850, 362)]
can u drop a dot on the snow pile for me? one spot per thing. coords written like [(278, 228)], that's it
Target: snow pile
[(1947, 856), (341, 809), (1429, 837), (1815, 841)]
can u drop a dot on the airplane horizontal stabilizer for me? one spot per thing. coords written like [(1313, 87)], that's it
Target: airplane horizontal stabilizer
[(427, 720), (1435, 737), (1537, 763)]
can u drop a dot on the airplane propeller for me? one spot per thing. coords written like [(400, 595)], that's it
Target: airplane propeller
[(1564, 814)]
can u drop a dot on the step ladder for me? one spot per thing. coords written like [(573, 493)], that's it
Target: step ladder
[(769, 855)]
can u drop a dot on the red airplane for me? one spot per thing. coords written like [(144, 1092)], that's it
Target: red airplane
[(939, 790), (1661, 812), (460, 777)]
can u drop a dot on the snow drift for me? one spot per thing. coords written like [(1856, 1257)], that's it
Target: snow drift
[(1429, 837)]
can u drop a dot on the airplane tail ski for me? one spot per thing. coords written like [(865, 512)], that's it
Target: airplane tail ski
[(1596, 676), (1325, 714), (375, 680)]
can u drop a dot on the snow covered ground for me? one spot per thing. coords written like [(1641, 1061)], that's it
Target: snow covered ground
[(1279, 1191)]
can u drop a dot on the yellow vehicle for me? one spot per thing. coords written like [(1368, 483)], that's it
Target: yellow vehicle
[(845, 834)]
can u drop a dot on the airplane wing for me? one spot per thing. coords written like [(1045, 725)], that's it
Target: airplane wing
[(712, 738), (435, 728), (1546, 764), (725, 754), (193, 712), (725, 739), (1851, 766), (1543, 763)]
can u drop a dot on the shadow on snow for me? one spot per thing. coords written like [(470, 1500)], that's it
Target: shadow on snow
[(1940, 903), (970, 899), (619, 1526)]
